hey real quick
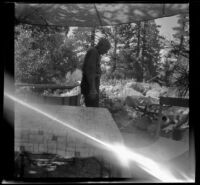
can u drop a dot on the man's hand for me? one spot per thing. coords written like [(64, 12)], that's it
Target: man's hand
[(93, 94)]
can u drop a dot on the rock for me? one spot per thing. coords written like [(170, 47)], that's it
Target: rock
[(129, 92), (153, 94), (132, 101), (130, 84), (155, 86), (140, 87), (151, 100)]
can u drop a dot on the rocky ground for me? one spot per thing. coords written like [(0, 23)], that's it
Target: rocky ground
[(127, 101)]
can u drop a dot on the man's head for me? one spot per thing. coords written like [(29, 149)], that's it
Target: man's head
[(103, 46)]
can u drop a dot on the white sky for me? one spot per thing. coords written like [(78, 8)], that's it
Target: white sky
[(167, 23)]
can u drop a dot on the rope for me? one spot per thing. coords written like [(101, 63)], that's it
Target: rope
[(36, 11), (98, 15), (163, 9)]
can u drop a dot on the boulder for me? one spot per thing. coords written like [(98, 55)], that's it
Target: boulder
[(133, 101), (129, 92), (140, 87), (153, 94)]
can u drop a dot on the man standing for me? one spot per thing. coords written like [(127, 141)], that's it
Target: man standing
[(92, 71)]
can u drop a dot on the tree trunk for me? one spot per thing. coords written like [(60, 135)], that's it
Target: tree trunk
[(138, 41), (92, 37), (115, 50), (139, 55), (143, 61)]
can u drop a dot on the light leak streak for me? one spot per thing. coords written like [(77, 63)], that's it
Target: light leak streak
[(124, 154)]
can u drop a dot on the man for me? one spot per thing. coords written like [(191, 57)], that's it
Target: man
[(92, 71)]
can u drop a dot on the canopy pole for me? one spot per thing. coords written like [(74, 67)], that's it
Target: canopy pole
[(100, 20), (163, 10)]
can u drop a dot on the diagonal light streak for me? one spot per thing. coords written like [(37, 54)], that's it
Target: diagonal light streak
[(55, 119), (124, 154)]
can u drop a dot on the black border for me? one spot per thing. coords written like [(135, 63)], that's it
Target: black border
[(7, 29), (7, 14)]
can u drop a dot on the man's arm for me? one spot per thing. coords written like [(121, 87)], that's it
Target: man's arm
[(90, 70)]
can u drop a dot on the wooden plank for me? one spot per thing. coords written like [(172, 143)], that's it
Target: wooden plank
[(54, 100), (181, 102), (47, 86)]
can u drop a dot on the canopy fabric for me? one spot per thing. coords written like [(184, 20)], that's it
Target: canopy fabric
[(93, 15)]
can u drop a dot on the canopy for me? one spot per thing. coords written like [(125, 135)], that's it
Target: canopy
[(92, 15)]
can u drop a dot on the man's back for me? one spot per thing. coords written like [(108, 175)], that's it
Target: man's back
[(91, 63)]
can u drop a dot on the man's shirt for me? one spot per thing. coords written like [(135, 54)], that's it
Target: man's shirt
[(91, 65)]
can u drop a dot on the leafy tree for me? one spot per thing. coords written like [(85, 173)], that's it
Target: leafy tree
[(42, 54)]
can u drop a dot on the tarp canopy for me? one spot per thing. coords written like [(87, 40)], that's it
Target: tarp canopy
[(93, 15)]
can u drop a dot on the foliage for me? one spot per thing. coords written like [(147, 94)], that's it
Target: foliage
[(181, 77), (181, 51), (176, 64), (124, 59), (42, 54), (46, 54)]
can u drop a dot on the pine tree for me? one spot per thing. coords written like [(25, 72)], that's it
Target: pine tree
[(181, 52)]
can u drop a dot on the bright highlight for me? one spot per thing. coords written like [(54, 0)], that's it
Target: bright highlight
[(124, 154)]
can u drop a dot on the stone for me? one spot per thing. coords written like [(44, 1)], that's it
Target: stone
[(137, 87), (133, 101), (129, 92), (153, 94)]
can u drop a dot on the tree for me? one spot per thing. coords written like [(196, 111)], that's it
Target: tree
[(180, 49), (141, 49), (151, 47), (42, 54), (181, 43), (136, 49), (112, 33), (84, 37)]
